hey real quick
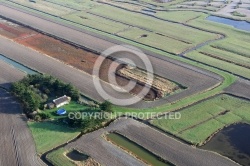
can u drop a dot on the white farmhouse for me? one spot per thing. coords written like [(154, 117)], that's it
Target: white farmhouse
[(61, 101)]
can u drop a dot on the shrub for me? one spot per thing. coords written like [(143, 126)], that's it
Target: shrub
[(106, 106)]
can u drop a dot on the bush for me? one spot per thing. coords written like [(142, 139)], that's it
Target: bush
[(38, 118), (44, 115), (106, 106)]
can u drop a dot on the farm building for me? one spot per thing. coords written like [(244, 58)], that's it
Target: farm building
[(61, 101)]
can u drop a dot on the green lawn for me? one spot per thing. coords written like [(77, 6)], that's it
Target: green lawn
[(200, 121), (48, 135), (71, 107)]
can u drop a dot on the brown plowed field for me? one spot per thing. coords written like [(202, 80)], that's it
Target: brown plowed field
[(79, 58), (9, 74), (158, 143), (240, 88), (195, 79), (16, 141)]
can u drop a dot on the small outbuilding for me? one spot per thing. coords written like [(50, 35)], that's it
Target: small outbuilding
[(50, 105)]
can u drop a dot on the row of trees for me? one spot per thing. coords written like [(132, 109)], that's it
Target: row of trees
[(32, 89), (31, 100), (51, 86)]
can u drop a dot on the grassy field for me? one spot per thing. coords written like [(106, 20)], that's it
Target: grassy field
[(48, 135), (236, 69), (72, 107), (180, 16), (96, 22), (58, 158), (234, 48), (170, 29), (200, 121), (152, 39), (46, 7), (175, 38), (226, 55)]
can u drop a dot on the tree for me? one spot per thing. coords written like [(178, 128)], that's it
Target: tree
[(18, 88), (106, 106)]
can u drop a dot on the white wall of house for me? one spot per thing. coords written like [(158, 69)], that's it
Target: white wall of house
[(62, 104)]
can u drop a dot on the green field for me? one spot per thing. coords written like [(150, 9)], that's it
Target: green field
[(174, 38), (234, 48), (226, 56), (200, 121), (180, 16), (230, 67), (48, 135), (96, 22)]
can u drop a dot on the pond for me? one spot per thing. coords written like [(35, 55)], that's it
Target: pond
[(137, 150), (77, 156), (232, 142), (243, 25), (17, 65)]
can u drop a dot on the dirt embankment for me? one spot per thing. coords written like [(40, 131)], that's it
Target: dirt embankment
[(161, 85), (69, 54)]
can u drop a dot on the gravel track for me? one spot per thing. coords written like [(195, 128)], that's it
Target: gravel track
[(160, 144), (16, 141), (195, 79), (9, 74)]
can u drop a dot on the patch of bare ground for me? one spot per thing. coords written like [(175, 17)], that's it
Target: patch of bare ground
[(91, 162), (9, 74), (156, 142), (240, 88)]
